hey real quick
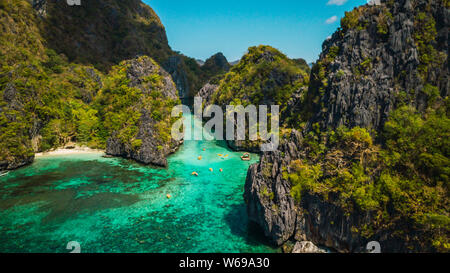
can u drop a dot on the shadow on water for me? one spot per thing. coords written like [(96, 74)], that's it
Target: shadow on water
[(241, 226), (223, 144)]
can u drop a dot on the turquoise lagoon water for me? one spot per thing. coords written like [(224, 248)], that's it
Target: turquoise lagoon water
[(116, 205)]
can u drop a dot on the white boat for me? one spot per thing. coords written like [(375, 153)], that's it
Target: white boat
[(3, 174)]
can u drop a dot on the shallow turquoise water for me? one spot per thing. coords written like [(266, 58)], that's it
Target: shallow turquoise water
[(115, 205)]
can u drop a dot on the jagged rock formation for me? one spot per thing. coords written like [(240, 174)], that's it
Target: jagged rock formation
[(267, 194), (183, 68), (152, 148), (384, 55), (13, 103), (104, 33), (374, 58), (51, 93), (324, 223), (207, 91), (306, 247), (264, 76)]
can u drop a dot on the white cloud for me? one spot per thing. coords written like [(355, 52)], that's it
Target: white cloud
[(332, 19), (336, 2)]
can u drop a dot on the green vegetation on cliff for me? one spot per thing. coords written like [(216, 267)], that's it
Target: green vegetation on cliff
[(47, 101), (404, 182), (263, 76), (42, 96), (400, 173), (120, 104)]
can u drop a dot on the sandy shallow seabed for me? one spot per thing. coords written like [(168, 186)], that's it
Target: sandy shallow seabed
[(76, 150)]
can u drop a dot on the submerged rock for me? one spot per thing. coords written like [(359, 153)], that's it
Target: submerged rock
[(306, 247)]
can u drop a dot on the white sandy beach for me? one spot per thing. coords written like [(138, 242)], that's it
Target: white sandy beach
[(76, 150)]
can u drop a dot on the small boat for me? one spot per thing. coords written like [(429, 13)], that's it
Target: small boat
[(3, 174), (246, 157), (200, 158), (169, 196), (221, 170), (211, 169), (220, 155), (195, 173)]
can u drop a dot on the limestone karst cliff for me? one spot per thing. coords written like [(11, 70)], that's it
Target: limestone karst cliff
[(59, 64), (370, 160)]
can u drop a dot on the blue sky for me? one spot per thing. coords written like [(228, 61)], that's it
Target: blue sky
[(201, 28)]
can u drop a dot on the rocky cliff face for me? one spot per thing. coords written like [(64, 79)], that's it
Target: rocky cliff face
[(15, 110), (322, 222), (104, 33), (267, 194), (381, 57), (51, 93), (264, 76), (152, 148), (207, 92), (376, 57), (174, 65)]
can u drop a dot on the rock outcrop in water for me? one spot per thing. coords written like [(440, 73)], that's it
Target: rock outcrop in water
[(383, 57), (57, 59), (267, 194), (271, 205), (153, 131)]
